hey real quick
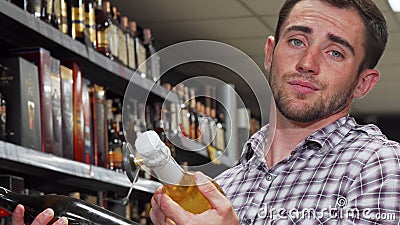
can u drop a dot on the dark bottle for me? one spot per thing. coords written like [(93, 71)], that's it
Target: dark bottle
[(103, 21), (130, 44), (35, 7), (76, 19), (77, 211), (193, 117), (153, 65), (3, 118)]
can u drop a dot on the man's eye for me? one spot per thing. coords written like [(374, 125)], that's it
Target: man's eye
[(336, 54), (296, 42)]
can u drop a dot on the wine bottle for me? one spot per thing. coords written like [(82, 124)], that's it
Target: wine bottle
[(77, 211), (3, 118), (103, 21), (177, 183)]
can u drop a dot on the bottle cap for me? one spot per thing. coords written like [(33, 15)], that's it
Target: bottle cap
[(147, 142)]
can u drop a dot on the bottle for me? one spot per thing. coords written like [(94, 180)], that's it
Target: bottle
[(90, 22), (77, 211), (177, 183), (122, 35), (153, 66), (3, 118), (35, 7), (103, 21), (63, 17), (130, 44), (76, 19), (194, 122), (113, 31)]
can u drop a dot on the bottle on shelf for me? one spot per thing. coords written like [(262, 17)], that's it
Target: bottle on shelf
[(76, 19), (103, 21), (35, 7), (141, 63), (63, 17), (90, 23), (114, 140), (48, 12), (77, 211), (113, 32), (130, 44), (193, 117), (123, 33), (177, 183), (153, 65), (3, 118)]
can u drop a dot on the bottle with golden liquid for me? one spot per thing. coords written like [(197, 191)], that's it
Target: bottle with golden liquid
[(177, 183)]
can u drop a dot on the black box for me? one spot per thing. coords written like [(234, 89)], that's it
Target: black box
[(21, 91)]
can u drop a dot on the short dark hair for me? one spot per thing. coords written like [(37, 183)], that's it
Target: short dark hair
[(375, 33)]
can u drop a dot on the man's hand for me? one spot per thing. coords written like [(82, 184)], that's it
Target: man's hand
[(166, 211), (42, 219)]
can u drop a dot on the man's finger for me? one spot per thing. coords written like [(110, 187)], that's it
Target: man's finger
[(171, 209), (210, 192), (18, 215), (44, 217)]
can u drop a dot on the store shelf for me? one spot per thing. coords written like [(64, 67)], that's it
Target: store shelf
[(21, 29), (29, 161)]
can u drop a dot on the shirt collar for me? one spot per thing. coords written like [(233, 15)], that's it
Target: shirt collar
[(320, 141)]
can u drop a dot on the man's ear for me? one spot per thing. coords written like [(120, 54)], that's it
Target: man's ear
[(368, 79), (269, 50)]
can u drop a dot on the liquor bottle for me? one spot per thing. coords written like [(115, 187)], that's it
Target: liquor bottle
[(122, 35), (153, 66), (35, 7), (220, 134), (103, 21), (113, 32), (177, 183), (48, 14), (76, 19), (130, 44), (90, 22), (200, 116), (140, 52), (194, 122), (3, 118), (56, 17), (114, 142), (77, 211), (63, 25)]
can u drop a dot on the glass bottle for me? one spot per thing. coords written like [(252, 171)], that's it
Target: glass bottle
[(76, 19), (3, 118), (153, 65), (90, 22), (177, 183), (77, 211), (103, 21)]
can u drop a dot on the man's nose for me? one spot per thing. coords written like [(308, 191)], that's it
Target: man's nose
[(309, 62)]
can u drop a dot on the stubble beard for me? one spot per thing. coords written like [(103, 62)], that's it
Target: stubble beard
[(315, 109)]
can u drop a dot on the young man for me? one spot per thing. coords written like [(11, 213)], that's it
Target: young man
[(321, 167)]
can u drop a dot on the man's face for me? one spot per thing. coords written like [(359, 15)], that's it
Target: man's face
[(314, 64)]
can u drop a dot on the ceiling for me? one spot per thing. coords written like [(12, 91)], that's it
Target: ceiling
[(245, 24)]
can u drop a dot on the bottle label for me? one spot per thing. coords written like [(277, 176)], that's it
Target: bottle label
[(102, 39)]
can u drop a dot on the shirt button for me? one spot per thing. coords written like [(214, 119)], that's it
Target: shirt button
[(269, 177)]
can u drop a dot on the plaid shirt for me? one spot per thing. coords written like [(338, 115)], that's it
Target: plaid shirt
[(344, 173)]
